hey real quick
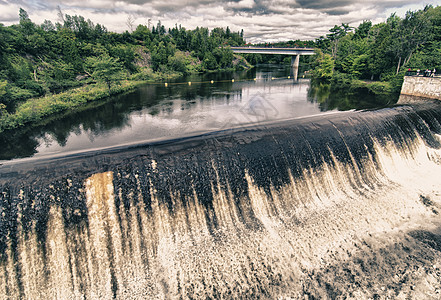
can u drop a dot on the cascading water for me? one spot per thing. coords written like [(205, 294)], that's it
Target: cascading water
[(343, 205)]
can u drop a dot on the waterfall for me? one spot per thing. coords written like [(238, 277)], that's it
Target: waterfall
[(343, 205)]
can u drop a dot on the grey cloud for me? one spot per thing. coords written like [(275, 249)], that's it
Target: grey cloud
[(179, 5), (139, 2), (265, 7), (262, 20), (17, 2), (337, 12), (9, 19), (331, 4), (260, 7), (324, 4), (342, 7)]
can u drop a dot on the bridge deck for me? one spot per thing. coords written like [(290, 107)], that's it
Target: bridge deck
[(283, 51)]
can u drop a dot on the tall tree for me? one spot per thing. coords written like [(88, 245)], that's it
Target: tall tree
[(104, 69), (323, 68), (25, 22), (408, 35), (337, 32)]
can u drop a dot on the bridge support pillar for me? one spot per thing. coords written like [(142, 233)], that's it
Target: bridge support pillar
[(295, 61)]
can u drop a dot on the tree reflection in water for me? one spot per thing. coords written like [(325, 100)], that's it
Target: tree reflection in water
[(158, 111)]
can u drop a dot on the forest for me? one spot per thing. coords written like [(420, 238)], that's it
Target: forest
[(382, 52), (43, 60)]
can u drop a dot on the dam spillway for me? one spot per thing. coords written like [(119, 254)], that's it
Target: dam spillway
[(342, 205)]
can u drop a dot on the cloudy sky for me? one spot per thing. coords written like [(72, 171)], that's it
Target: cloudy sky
[(261, 20)]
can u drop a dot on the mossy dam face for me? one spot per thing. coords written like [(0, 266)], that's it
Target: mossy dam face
[(344, 205)]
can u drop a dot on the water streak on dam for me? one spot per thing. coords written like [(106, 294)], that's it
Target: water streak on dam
[(321, 207)]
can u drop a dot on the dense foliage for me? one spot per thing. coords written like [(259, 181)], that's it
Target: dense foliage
[(47, 59), (383, 51)]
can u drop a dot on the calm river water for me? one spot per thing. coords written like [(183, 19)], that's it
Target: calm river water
[(156, 111)]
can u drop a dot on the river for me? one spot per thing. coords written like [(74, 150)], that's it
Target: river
[(156, 111), (252, 189)]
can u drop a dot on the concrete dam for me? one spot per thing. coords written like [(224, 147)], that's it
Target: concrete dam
[(425, 87), (344, 205)]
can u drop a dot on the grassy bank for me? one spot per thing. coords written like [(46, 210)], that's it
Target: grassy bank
[(341, 81), (37, 110)]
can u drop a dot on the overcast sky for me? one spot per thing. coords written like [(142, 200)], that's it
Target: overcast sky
[(261, 20)]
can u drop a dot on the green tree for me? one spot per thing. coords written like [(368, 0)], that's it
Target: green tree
[(380, 61), (429, 54), (323, 67), (209, 62), (125, 54), (48, 26), (363, 30), (359, 66), (226, 58), (159, 56), (408, 35), (178, 62), (337, 32), (104, 69), (68, 46), (26, 24), (3, 92), (143, 35)]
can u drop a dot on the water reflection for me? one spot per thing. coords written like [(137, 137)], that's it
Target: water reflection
[(157, 111), (335, 98)]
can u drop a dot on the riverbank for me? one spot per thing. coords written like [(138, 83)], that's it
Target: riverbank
[(41, 110), (37, 111), (342, 81)]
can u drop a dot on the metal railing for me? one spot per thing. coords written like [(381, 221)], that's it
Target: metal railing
[(423, 73)]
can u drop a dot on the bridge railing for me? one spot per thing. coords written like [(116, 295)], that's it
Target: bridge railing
[(423, 73), (272, 50)]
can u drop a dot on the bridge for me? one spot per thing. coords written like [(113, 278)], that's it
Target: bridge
[(294, 52)]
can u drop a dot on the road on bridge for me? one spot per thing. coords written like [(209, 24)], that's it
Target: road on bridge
[(294, 52)]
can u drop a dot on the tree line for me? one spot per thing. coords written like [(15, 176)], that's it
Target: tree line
[(383, 51), (38, 60)]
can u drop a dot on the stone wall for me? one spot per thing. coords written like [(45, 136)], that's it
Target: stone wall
[(427, 87)]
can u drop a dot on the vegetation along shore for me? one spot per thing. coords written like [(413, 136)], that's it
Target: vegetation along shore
[(49, 69)]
